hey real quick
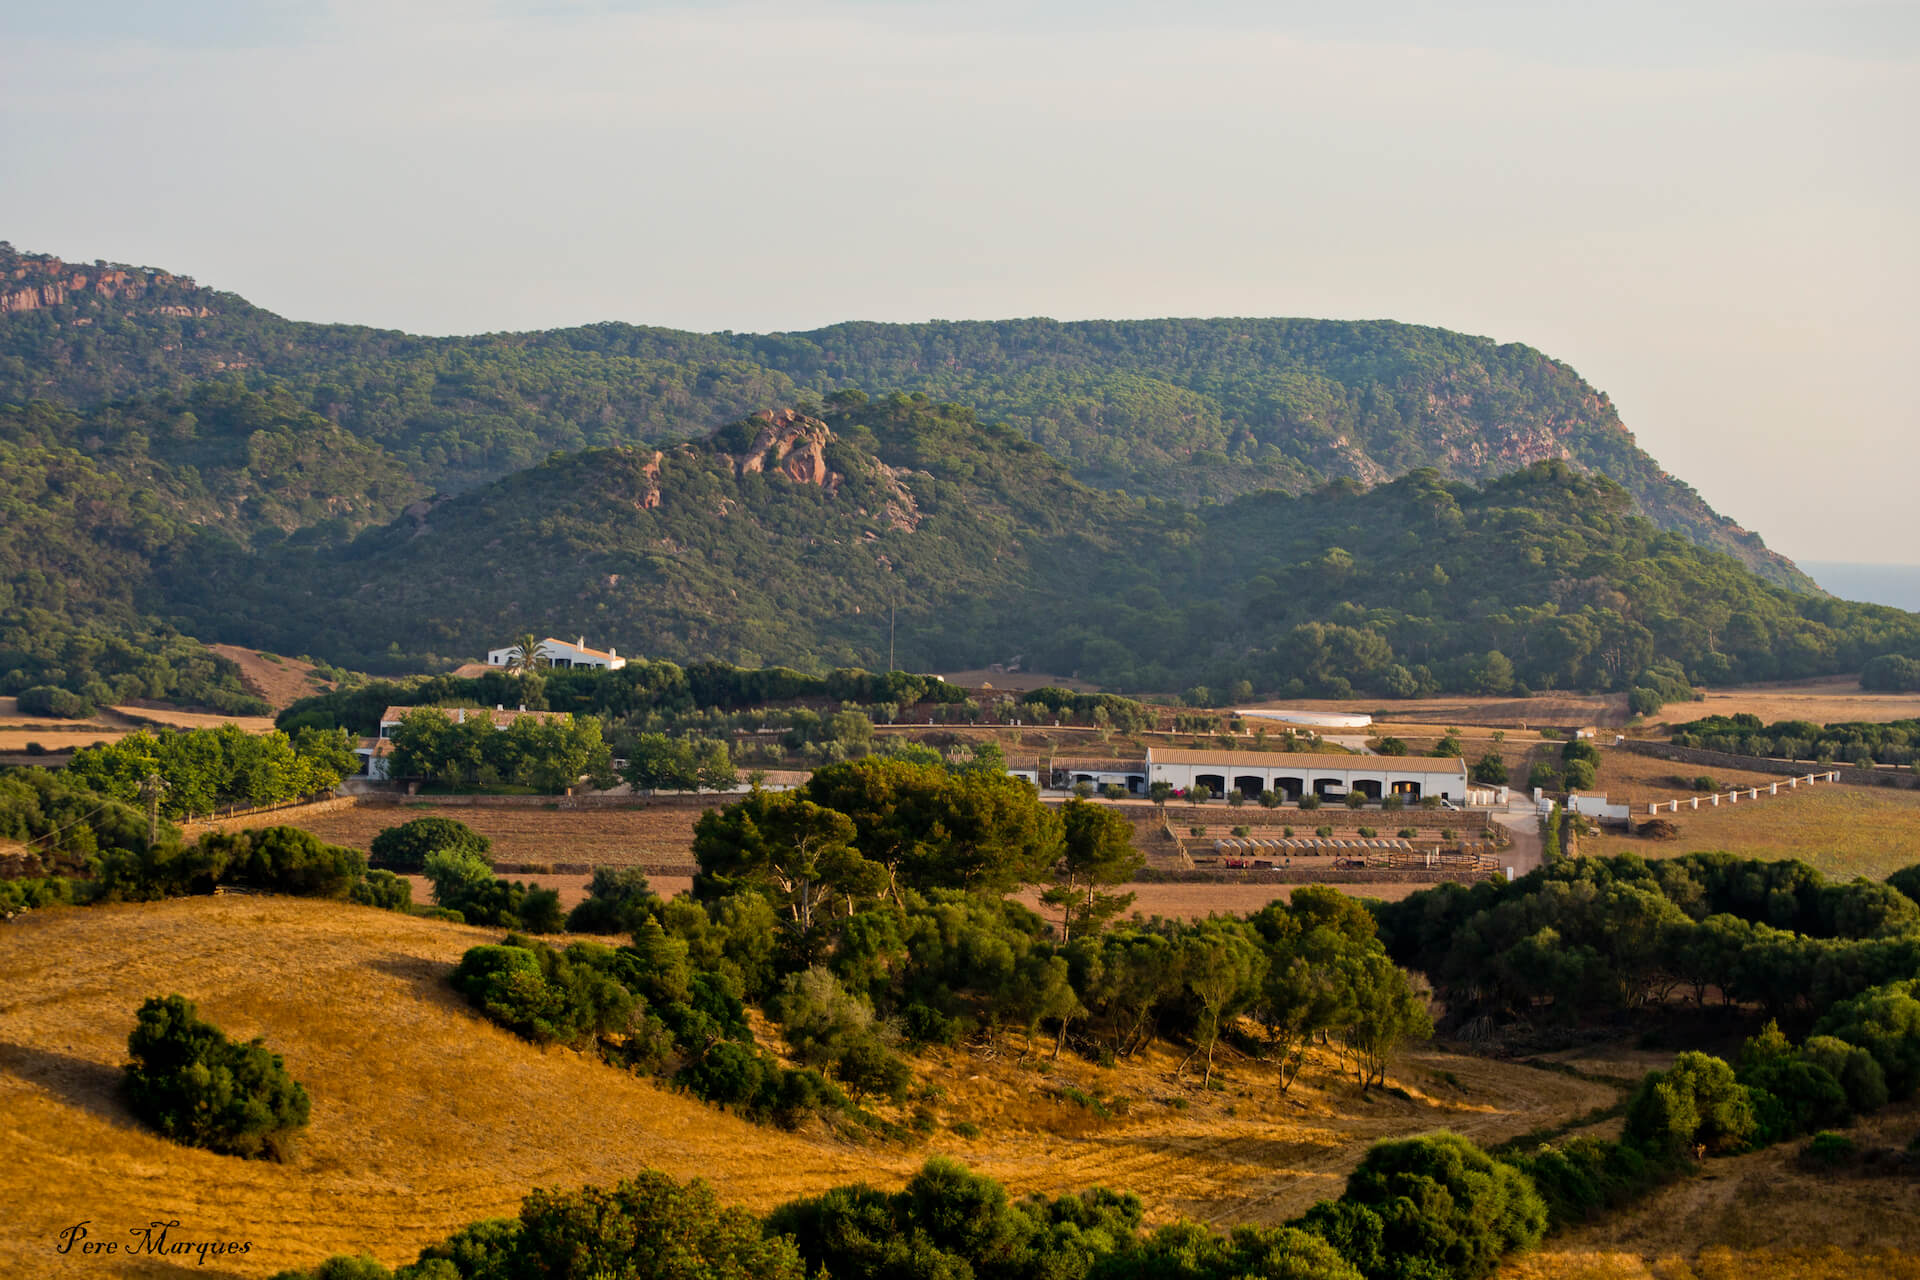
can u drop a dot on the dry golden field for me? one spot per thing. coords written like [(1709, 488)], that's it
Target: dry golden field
[(1755, 1217), (522, 834), (1842, 830), (281, 681), (17, 730), (1832, 700), (425, 1117)]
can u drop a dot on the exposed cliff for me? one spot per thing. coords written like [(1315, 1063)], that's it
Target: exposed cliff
[(1192, 410)]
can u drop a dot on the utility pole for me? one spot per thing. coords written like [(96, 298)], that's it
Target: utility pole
[(150, 789)]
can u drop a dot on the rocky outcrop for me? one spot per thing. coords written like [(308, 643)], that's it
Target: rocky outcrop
[(32, 282), (792, 444), (651, 474)]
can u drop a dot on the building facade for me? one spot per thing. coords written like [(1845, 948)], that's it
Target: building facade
[(562, 654)]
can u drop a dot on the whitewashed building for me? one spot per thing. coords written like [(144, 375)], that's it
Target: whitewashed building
[(562, 654), (1292, 775)]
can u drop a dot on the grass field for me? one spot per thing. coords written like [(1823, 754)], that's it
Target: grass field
[(281, 681), (598, 837), (1755, 1217), (426, 1118), (1844, 831)]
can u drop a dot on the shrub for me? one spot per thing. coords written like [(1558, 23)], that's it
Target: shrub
[(1885, 1021), (1356, 800), (1490, 769), (1196, 831), (1444, 1201), (650, 1225), (1860, 1077), (198, 1088), (292, 860), (1407, 833), (1325, 833), (543, 994), (1580, 775), (1830, 1150), (1243, 831), (405, 847), (618, 900), (1695, 1102), (61, 704), (383, 889), (540, 911), (1394, 804), (1310, 801), (1368, 833)]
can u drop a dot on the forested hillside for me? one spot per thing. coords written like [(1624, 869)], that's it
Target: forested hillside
[(1181, 409), (789, 539)]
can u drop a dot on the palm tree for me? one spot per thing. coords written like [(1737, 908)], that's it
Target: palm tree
[(526, 655)]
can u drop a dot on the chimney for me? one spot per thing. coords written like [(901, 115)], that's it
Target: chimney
[(581, 643)]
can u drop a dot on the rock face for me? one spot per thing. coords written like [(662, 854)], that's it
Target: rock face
[(794, 445), (31, 282)]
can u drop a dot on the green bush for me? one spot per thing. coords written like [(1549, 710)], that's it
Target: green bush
[(1443, 1201), (1356, 800), (1830, 1150), (385, 890), (1885, 1021), (61, 704), (1696, 1102), (546, 995), (1310, 801), (618, 900), (198, 1088), (405, 847), (291, 860), (1860, 1077)]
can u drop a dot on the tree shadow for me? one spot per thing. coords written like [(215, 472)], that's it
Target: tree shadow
[(80, 1082), (427, 977)]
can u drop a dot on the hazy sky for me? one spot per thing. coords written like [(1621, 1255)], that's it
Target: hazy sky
[(1709, 209)]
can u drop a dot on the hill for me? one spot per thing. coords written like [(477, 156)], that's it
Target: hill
[(908, 527), (426, 1116), (1182, 409)]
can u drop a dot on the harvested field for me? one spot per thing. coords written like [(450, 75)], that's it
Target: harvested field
[(425, 1117), (1639, 780), (281, 681), (16, 730), (1842, 831), (1176, 901), (1828, 701), (1755, 1217), (529, 834)]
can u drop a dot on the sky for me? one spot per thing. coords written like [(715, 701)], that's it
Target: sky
[(1710, 209)]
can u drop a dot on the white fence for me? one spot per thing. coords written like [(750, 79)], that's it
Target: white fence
[(1741, 793)]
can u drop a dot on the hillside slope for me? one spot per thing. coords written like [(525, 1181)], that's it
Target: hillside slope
[(1184, 409), (426, 1116), (906, 527)]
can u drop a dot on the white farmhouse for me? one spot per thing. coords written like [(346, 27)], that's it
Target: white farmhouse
[(561, 653), (1330, 777)]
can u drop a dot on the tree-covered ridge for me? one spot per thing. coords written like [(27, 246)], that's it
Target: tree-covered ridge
[(982, 548), (1186, 409)]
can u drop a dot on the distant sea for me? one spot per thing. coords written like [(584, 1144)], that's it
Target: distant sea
[(1894, 584)]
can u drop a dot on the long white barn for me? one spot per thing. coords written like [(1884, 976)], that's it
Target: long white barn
[(1293, 775)]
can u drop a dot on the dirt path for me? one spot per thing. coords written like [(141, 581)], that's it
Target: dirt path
[(1522, 821)]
